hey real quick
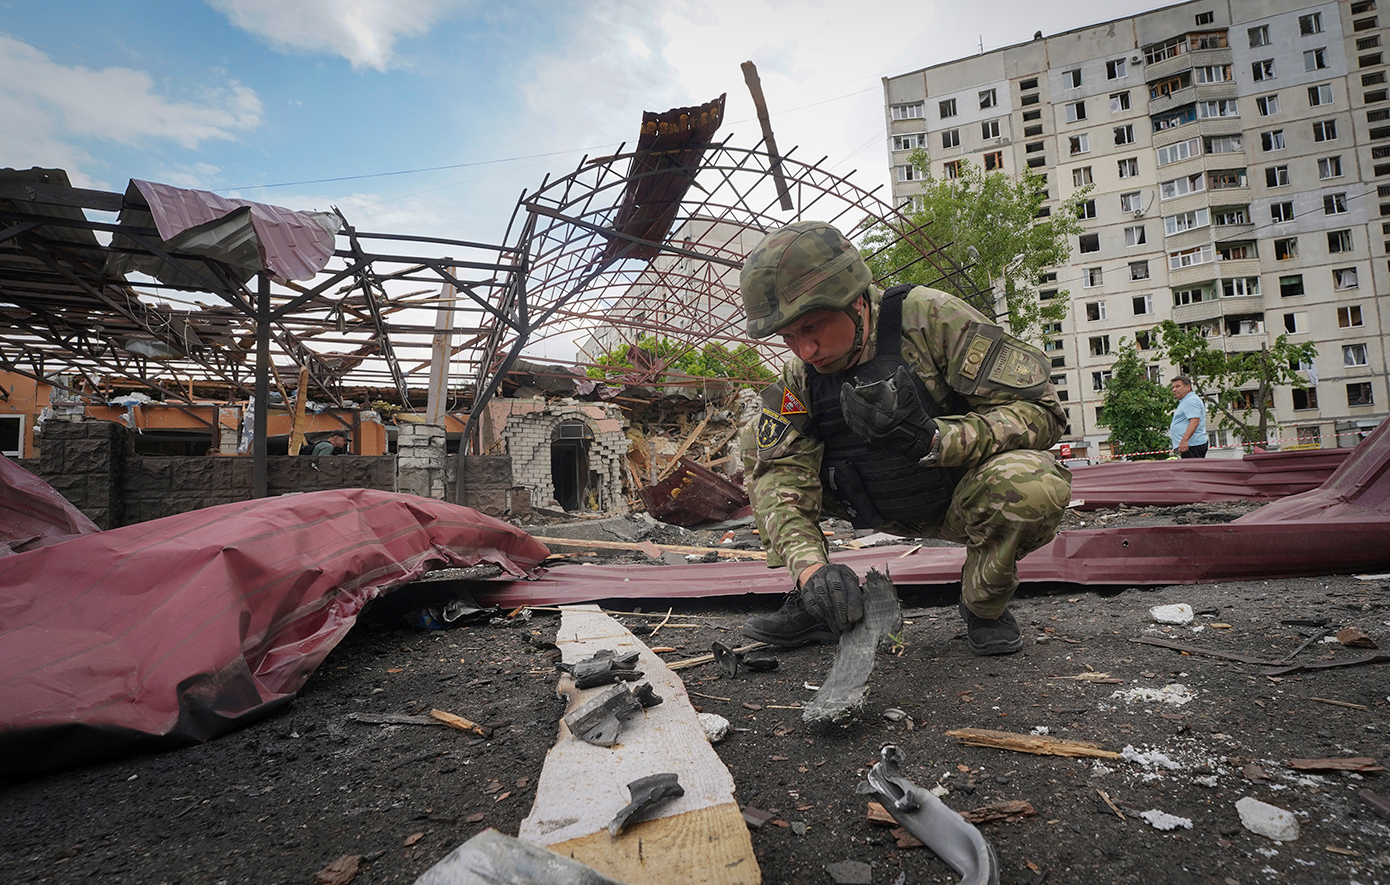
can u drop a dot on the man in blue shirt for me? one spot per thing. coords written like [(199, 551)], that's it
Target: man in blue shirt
[(1188, 430)]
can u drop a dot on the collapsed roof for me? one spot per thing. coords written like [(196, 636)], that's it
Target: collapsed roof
[(163, 287)]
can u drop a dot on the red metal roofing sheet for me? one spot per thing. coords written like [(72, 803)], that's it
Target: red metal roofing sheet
[(176, 630), (293, 246), (32, 514), (1262, 477), (1341, 527)]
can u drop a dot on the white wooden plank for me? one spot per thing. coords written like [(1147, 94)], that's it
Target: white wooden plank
[(583, 786)]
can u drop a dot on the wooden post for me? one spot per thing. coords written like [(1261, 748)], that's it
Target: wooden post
[(259, 476), (437, 402), (301, 398)]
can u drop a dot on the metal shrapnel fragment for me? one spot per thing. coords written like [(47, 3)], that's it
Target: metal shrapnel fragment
[(953, 838), (843, 691), (646, 792), (726, 659), (599, 719)]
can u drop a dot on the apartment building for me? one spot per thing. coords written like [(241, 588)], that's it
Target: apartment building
[(1239, 154)]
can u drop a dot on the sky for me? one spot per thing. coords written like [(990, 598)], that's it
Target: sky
[(431, 117)]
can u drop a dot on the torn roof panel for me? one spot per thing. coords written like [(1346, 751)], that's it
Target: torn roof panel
[(693, 495), (670, 149), (1339, 528), (174, 631), (290, 244), (1262, 477)]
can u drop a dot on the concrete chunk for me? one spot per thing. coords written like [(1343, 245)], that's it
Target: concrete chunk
[(1267, 820)]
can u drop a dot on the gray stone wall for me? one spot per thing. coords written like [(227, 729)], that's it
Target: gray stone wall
[(421, 464), (90, 463), (488, 487), (158, 486), (83, 461)]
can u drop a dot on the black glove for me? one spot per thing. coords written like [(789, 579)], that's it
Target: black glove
[(832, 594), (890, 414)]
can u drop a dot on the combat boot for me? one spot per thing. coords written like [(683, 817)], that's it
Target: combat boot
[(790, 625), (1000, 636)]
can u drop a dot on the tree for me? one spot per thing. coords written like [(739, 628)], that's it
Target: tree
[(714, 360), (1237, 384), (1135, 407), (989, 224)]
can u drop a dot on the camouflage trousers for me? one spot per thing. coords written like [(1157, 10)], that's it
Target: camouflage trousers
[(1003, 509)]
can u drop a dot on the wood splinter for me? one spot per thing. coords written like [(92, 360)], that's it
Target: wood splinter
[(460, 723), (1025, 743)]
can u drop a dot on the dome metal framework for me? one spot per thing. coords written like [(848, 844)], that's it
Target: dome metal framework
[(583, 276)]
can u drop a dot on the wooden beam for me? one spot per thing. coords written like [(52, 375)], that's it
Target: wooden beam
[(697, 839), (576, 545), (685, 445), (301, 399)]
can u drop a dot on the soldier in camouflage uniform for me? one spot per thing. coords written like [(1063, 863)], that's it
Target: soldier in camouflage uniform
[(906, 410)]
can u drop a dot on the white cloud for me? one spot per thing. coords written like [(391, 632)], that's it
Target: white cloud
[(362, 31), (622, 57), (199, 176), (48, 108), (592, 88)]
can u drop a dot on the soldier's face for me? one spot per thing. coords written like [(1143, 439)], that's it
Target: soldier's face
[(821, 337)]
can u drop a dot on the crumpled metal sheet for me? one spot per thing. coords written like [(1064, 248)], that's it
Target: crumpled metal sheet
[(177, 630), (1259, 477), (1342, 527), (247, 236), (32, 514), (693, 495)]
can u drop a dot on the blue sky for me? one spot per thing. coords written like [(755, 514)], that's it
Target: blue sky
[(322, 97)]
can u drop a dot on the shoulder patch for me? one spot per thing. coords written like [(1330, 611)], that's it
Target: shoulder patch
[(772, 429), (791, 405), (781, 401), (975, 353), (1016, 368)]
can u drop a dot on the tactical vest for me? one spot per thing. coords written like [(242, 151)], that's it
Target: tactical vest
[(873, 484)]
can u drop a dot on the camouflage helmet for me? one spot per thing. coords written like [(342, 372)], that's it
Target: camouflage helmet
[(803, 267)]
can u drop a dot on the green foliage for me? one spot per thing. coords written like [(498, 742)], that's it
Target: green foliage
[(1235, 385), (714, 360), (1136, 409), (997, 215)]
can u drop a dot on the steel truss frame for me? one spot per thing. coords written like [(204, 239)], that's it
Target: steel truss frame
[(573, 277)]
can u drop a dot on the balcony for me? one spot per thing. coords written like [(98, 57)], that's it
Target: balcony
[(1227, 232), (1241, 305), (1202, 127), (1184, 60), (1195, 93), (1174, 99), (1184, 277), (1186, 239), (1250, 343), (1185, 203), (1196, 313), (1240, 267)]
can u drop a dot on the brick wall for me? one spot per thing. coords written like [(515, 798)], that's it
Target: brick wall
[(527, 433), (421, 464)]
